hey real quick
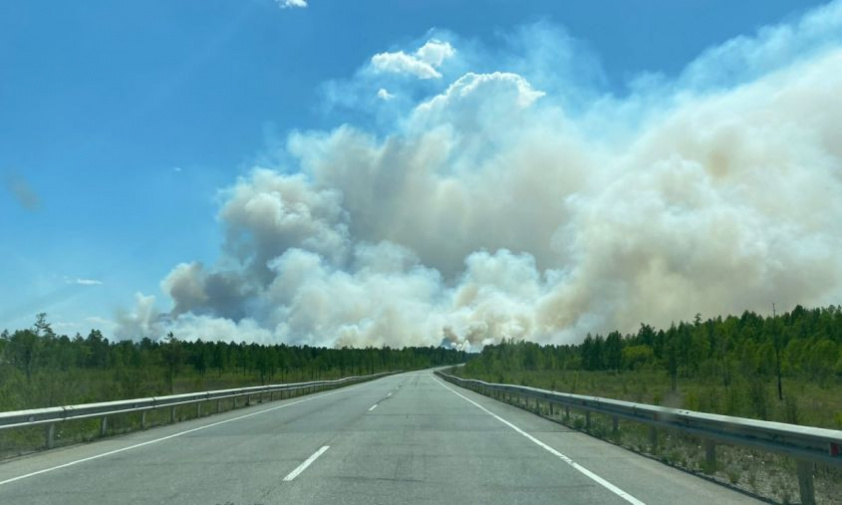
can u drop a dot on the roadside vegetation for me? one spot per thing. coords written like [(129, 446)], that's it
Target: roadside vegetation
[(785, 368), (728, 366), (39, 368)]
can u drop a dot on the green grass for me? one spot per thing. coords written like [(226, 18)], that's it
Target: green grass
[(805, 402)]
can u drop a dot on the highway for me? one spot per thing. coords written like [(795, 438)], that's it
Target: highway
[(407, 438)]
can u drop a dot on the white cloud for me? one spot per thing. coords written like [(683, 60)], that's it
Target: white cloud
[(422, 64), (435, 52), (82, 282), (286, 4), (384, 94), (402, 63), (472, 92)]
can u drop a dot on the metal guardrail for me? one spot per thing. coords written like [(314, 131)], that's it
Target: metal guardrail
[(52, 415), (808, 445)]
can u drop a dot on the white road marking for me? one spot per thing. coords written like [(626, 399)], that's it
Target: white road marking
[(307, 462), (185, 432), (388, 395), (373, 407), (611, 487)]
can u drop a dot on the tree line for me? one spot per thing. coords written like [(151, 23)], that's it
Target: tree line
[(803, 343), (40, 368)]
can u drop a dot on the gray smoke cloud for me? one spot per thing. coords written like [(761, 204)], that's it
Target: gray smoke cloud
[(493, 209)]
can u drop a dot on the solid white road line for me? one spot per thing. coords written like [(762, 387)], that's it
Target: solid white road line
[(604, 483), (373, 407), (303, 466), (185, 432)]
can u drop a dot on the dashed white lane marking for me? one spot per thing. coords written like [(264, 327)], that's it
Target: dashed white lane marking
[(390, 394), (373, 407), (307, 462), (180, 433), (599, 480)]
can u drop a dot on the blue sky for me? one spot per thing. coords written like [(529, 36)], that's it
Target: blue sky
[(121, 121)]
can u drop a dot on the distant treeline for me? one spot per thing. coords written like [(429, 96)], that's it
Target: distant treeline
[(804, 343), (41, 368)]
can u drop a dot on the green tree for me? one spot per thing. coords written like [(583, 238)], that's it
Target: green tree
[(636, 356), (172, 355), (614, 351)]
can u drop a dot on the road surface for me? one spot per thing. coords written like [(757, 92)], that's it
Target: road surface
[(408, 438)]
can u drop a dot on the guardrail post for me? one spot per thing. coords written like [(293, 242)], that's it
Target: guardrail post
[(710, 456), (198, 409), (653, 438), (248, 400), (805, 483), (566, 412), (587, 420), (143, 420), (615, 424), (103, 426), (50, 435), (172, 415), (218, 406)]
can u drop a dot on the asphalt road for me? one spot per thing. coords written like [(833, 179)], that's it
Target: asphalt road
[(408, 438)]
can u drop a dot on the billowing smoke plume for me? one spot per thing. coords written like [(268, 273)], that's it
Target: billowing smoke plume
[(507, 204)]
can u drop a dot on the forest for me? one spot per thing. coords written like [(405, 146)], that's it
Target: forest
[(39, 368), (785, 367)]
